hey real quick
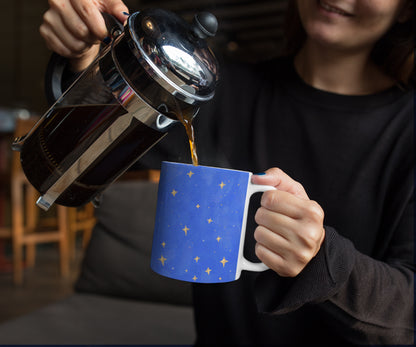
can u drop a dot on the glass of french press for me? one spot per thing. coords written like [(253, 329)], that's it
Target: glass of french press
[(155, 68)]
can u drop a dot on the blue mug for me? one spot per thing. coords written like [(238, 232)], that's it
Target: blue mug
[(201, 223)]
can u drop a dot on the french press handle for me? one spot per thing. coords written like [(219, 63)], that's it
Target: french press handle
[(114, 27), (57, 64)]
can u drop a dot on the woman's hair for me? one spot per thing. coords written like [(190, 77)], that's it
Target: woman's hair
[(394, 52)]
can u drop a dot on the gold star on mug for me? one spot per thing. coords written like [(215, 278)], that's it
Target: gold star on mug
[(162, 260), (223, 261)]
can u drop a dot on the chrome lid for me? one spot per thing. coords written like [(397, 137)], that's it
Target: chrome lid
[(174, 53)]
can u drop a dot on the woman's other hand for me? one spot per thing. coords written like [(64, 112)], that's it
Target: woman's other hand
[(74, 28), (290, 228)]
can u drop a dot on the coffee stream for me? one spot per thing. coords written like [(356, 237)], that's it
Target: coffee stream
[(186, 120), (187, 123)]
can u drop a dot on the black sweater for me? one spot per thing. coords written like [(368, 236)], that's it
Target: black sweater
[(354, 156)]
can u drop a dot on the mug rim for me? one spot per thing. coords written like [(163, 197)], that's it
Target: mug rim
[(203, 166)]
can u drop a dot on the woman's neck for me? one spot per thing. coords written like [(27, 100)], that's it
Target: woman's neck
[(340, 72)]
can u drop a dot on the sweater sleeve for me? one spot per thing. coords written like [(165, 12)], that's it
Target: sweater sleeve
[(364, 300)]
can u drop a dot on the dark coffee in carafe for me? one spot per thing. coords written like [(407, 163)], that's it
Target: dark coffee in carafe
[(156, 71), (50, 151)]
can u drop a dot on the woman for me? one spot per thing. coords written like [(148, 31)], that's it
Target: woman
[(338, 122)]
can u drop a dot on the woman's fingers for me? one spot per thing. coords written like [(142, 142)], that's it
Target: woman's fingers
[(117, 8), (64, 31), (76, 26), (90, 14), (290, 226), (280, 180), (284, 203), (73, 28)]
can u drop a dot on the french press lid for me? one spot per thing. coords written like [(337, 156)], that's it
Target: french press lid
[(175, 53)]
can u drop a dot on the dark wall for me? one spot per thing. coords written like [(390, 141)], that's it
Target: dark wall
[(24, 55), (248, 30)]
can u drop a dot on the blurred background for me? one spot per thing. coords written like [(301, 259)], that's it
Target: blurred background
[(248, 31)]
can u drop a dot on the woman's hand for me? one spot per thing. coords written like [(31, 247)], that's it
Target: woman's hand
[(290, 228), (74, 28)]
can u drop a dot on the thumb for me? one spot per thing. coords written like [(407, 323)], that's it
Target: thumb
[(117, 8), (280, 180)]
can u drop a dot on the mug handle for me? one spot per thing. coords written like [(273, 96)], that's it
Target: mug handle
[(251, 189)]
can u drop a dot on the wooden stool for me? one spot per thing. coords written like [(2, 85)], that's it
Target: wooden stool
[(80, 219), (26, 231), (29, 228)]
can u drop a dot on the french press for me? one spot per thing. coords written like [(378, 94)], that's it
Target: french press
[(155, 68)]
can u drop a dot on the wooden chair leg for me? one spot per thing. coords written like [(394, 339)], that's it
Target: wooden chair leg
[(86, 236), (17, 263), (62, 214), (30, 255), (17, 232), (32, 216), (72, 233)]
